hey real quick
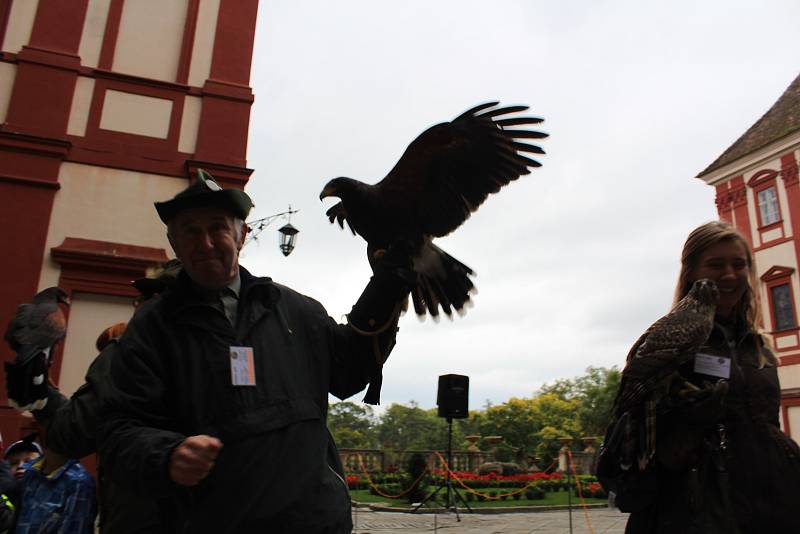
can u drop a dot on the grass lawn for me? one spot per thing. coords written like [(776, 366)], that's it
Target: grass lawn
[(550, 499)]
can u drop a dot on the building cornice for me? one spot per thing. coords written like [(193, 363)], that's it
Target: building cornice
[(753, 160)]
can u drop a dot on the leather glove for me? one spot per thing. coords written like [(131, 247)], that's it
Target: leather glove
[(377, 310), (26, 383), (392, 280)]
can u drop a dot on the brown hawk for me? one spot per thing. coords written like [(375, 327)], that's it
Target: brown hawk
[(651, 371), (32, 334), (444, 175)]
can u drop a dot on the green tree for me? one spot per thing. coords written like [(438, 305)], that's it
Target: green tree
[(353, 425), (412, 428), (595, 391)]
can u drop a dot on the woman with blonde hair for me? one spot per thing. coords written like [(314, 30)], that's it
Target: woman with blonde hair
[(722, 464)]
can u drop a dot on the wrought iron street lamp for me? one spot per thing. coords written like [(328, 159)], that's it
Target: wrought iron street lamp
[(288, 233), (288, 238)]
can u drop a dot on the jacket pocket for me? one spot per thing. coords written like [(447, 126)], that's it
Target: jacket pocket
[(258, 419)]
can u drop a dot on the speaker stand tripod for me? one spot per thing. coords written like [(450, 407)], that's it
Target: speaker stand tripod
[(450, 494)]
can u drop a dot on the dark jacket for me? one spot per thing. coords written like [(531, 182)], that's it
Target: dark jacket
[(278, 467), (723, 465), (72, 431)]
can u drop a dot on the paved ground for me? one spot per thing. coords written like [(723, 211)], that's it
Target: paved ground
[(600, 520)]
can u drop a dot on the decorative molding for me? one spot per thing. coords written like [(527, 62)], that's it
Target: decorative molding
[(789, 170), (776, 273), (134, 80), (226, 175), (33, 144), (790, 359), (102, 267), (762, 177), (228, 91), (772, 243), (49, 58), (33, 182), (738, 195)]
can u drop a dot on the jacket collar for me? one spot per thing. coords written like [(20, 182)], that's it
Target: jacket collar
[(257, 296)]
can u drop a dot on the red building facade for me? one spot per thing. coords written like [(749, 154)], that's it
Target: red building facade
[(105, 107), (758, 191)]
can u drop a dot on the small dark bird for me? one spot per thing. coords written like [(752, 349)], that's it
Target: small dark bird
[(444, 175), (38, 326), (651, 371)]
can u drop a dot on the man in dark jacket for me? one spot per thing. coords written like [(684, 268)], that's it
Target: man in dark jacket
[(220, 391)]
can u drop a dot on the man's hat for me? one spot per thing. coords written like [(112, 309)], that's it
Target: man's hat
[(203, 193)]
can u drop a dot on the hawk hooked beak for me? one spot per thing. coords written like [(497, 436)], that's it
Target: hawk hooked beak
[(328, 191)]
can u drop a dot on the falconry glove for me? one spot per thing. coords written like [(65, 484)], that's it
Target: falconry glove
[(377, 310), (26, 383)]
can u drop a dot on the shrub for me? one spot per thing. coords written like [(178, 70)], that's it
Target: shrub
[(534, 493), (388, 489), (416, 467)]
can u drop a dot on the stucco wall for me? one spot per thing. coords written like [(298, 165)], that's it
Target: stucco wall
[(789, 375), (20, 25), (150, 38), (8, 72), (106, 205), (89, 315)]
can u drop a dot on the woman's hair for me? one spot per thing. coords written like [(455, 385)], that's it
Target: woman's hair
[(748, 310)]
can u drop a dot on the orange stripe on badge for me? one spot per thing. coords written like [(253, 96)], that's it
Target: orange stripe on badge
[(251, 367)]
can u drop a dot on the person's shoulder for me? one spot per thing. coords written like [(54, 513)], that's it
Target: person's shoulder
[(293, 297), (78, 473), (279, 292)]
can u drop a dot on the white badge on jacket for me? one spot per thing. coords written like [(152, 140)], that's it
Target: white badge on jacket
[(708, 364), (243, 369)]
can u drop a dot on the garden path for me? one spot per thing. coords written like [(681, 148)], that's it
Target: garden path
[(603, 521)]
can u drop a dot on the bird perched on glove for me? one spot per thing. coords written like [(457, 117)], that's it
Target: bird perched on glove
[(651, 371), (444, 175), (33, 332)]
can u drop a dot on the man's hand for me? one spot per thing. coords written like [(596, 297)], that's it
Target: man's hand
[(192, 460)]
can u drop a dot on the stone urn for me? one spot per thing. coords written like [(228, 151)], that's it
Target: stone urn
[(493, 440), (563, 454), (473, 439)]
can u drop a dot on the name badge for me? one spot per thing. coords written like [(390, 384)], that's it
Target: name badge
[(243, 369), (707, 364)]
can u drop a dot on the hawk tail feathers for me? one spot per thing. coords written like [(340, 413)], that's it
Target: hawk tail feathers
[(443, 282)]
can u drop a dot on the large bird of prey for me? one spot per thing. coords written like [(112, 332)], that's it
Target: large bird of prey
[(38, 326), (32, 334), (444, 175), (651, 371)]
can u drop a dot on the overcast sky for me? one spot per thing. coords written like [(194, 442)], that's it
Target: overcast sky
[(576, 259)]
